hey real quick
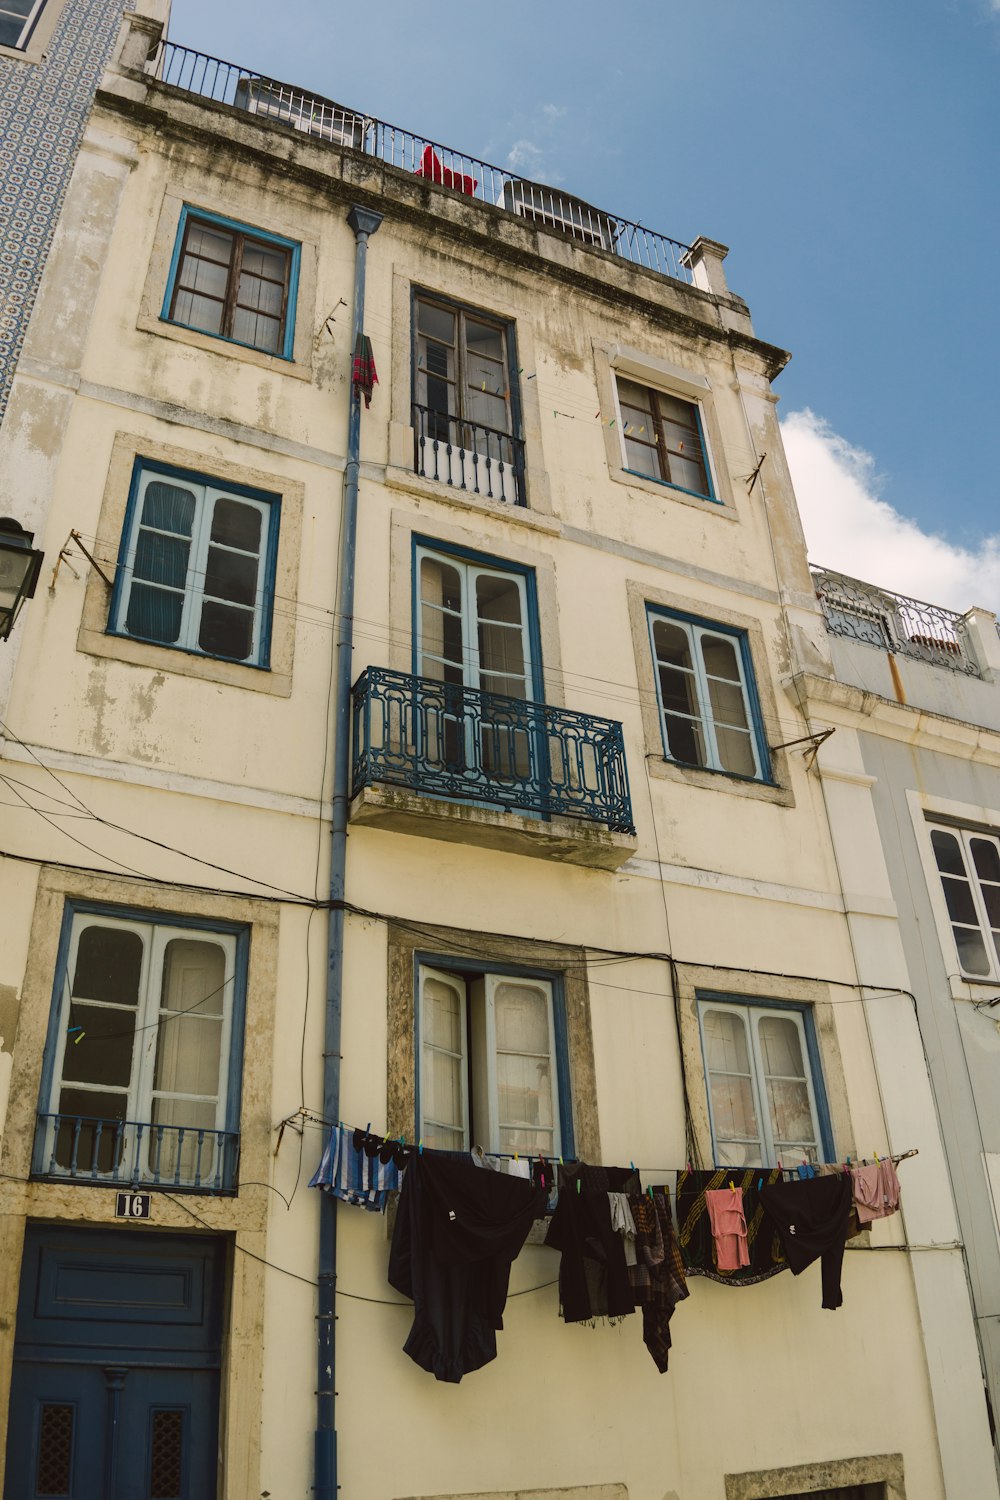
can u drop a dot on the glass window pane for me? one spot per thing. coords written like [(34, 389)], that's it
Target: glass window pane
[(958, 896), (678, 692), (735, 752), (986, 858), (522, 1018), (194, 977), (482, 340), (780, 1046), (161, 559), (732, 1108), (487, 409), (255, 329), (791, 1114), (100, 1051), (642, 460), (501, 649), (947, 853), (173, 1156), (971, 951), (726, 1047), (197, 312), (206, 277), (524, 1090), (237, 525), (231, 575), (258, 295), (168, 507), (153, 614), (685, 741), (108, 965), (672, 644), (261, 261), (727, 703), (442, 1015), (719, 655), (991, 900), (436, 321), (188, 1055), (440, 583), (634, 396), (441, 1099), (213, 244), (226, 631)]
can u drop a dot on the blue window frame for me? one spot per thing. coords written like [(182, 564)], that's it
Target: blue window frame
[(196, 565), (707, 696), (233, 281), (18, 19), (143, 1062), (663, 438), (766, 1099), (492, 1058)]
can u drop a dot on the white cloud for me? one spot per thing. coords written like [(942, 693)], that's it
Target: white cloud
[(850, 528), (524, 156)]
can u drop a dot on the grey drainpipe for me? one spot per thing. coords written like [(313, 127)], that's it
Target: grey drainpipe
[(364, 223)]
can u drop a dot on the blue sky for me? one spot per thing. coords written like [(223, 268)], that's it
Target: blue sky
[(846, 151)]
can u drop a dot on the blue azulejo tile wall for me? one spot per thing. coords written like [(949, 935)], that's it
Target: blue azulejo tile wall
[(43, 110)]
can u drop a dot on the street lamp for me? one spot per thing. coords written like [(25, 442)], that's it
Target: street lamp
[(20, 566)]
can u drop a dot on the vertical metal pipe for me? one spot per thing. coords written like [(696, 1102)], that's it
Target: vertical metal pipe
[(364, 223)]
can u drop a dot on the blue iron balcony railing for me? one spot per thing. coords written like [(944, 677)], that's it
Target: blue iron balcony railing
[(448, 741), (893, 622), (104, 1152), (325, 120), (468, 455)]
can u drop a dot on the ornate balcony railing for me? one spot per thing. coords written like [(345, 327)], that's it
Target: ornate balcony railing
[(211, 78), (468, 455), (92, 1150), (444, 740), (893, 622)]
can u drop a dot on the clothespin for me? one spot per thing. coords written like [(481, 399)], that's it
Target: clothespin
[(612, 422), (875, 1154), (578, 1184), (78, 1039), (529, 377), (780, 1167), (632, 1165), (368, 1128), (732, 1186), (515, 1156), (484, 385), (760, 1183), (420, 1147), (651, 1193), (596, 414)]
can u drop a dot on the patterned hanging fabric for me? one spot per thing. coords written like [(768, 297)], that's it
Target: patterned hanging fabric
[(365, 378)]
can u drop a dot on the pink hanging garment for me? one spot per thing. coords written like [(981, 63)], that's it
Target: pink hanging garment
[(876, 1191), (729, 1227)]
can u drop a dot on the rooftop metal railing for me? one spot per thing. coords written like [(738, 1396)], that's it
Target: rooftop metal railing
[(893, 622), (211, 78), (441, 739)]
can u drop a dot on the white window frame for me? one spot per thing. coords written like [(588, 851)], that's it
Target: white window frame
[(27, 28), (469, 572), (141, 1094), (689, 399), (479, 1054), (750, 1017), (206, 494), (696, 631), (973, 880)]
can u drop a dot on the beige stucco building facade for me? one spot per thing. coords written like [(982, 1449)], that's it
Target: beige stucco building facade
[(167, 762)]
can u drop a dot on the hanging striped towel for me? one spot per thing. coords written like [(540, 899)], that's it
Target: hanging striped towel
[(352, 1175)]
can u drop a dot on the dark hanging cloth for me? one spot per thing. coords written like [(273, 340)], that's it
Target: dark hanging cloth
[(365, 378), (658, 1281), (695, 1231), (457, 1231), (593, 1277), (812, 1220)]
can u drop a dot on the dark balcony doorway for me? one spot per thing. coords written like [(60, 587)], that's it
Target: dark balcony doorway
[(115, 1392)]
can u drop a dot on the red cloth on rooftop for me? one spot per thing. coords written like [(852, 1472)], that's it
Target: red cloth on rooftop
[(430, 166)]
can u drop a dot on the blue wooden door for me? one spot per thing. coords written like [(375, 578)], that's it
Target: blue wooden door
[(115, 1392)]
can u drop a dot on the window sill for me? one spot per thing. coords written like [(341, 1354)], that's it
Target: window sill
[(225, 348), (183, 663), (564, 840), (677, 489), (720, 781), (404, 479)]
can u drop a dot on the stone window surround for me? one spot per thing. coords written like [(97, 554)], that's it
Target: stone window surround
[(40, 38), (444, 946), (770, 1484), (970, 818), (673, 380), (695, 982), (55, 888), (463, 283), (641, 595), (94, 638), (151, 320)]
